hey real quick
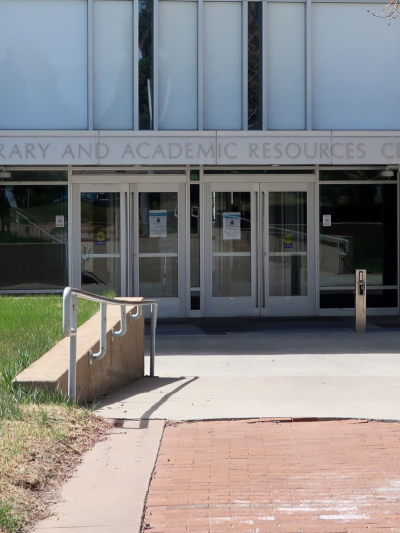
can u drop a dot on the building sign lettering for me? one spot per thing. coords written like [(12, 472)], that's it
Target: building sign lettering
[(200, 148)]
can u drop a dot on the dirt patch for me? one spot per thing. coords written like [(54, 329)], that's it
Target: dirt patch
[(37, 454)]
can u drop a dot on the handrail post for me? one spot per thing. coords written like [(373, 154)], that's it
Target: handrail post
[(123, 328), (72, 347), (153, 337), (103, 336)]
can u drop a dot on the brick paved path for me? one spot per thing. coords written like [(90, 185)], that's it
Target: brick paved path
[(262, 476)]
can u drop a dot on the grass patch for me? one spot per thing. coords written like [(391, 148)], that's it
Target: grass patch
[(42, 434), (31, 325), (9, 519)]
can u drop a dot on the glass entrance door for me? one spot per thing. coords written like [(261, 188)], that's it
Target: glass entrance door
[(99, 255), (231, 286), (159, 245), (259, 249), (287, 241)]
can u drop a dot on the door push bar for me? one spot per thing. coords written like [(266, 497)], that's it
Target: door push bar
[(361, 301)]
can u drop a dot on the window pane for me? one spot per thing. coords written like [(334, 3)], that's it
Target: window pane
[(254, 66), (43, 64), (287, 244), (145, 65), (112, 30), (33, 248), (355, 175), (345, 299), (286, 66), (38, 175), (101, 242), (348, 46), (194, 236), (231, 244), (222, 66), (177, 61), (363, 234), (158, 244)]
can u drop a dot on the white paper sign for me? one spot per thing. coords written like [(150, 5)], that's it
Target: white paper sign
[(158, 223), (326, 220), (60, 221), (231, 226)]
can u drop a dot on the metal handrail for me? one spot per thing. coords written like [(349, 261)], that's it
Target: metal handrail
[(70, 311)]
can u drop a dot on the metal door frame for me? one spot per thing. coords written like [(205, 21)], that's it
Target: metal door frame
[(287, 305), (169, 307), (256, 183), (239, 305), (77, 189)]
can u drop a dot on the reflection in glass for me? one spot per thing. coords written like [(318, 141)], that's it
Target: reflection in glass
[(33, 248), (195, 236), (288, 244), (158, 244), (38, 175), (345, 94), (145, 65), (43, 64), (286, 66), (177, 66), (101, 243), (363, 234), (354, 174), (112, 57), (330, 299), (222, 66), (254, 65), (195, 301), (231, 244)]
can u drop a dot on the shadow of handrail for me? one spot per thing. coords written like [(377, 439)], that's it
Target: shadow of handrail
[(144, 419)]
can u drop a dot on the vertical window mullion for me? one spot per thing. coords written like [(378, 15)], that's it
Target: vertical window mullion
[(135, 69), (200, 70), (308, 7), (90, 65), (264, 50), (245, 17), (155, 65)]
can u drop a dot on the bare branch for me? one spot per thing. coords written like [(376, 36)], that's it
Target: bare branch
[(391, 11)]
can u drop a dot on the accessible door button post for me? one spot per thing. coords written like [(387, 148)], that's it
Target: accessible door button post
[(361, 301)]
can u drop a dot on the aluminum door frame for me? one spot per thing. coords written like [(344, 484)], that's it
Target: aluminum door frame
[(237, 305), (77, 189), (287, 305), (168, 307)]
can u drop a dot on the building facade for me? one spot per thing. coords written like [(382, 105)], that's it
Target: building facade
[(227, 157)]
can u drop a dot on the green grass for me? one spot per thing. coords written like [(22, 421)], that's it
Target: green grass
[(29, 327), (9, 520)]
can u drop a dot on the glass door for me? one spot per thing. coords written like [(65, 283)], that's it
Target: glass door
[(159, 245), (99, 255), (287, 249), (231, 286)]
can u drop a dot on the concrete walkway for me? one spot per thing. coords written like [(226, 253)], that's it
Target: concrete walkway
[(108, 491), (239, 368)]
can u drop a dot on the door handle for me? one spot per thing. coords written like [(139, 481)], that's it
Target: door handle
[(257, 257), (262, 249)]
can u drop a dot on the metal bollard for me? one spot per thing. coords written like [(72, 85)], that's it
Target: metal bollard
[(361, 301)]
